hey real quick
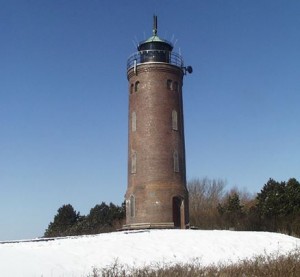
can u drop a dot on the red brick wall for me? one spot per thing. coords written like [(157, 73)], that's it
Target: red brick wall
[(155, 183)]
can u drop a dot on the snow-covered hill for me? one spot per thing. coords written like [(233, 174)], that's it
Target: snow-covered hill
[(76, 256)]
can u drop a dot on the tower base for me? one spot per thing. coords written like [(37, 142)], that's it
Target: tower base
[(162, 225), (136, 226)]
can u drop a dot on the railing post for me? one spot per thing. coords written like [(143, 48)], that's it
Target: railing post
[(135, 59)]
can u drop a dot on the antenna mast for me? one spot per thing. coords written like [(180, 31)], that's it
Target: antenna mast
[(154, 25)]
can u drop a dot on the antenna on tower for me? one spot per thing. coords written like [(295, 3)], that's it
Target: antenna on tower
[(173, 36), (175, 43), (134, 44), (154, 25)]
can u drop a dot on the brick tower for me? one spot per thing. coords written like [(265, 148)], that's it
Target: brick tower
[(157, 195)]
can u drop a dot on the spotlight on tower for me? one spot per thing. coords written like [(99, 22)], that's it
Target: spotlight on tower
[(188, 69)]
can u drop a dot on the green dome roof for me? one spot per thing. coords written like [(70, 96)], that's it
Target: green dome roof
[(155, 42), (155, 38)]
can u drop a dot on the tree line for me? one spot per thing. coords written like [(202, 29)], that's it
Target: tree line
[(275, 208), (101, 219)]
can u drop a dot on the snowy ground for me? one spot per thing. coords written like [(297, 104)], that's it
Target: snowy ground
[(76, 256)]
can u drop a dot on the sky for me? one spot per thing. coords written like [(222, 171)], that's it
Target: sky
[(64, 98)]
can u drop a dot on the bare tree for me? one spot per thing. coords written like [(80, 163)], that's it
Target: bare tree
[(204, 196)]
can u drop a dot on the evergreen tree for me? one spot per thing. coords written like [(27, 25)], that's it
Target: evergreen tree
[(65, 218), (270, 204), (278, 205), (292, 192), (232, 211), (291, 218), (271, 199), (102, 217)]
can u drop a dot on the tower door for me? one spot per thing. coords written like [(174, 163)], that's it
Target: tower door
[(177, 212)]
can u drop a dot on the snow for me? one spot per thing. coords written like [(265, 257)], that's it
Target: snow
[(77, 256)]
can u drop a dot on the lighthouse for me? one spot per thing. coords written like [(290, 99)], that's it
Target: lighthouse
[(157, 195)]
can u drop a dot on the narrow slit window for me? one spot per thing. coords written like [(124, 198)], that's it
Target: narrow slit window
[(174, 120), (133, 162), (136, 86), (133, 122), (176, 161), (132, 205), (131, 88), (175, 86), (169, 84)]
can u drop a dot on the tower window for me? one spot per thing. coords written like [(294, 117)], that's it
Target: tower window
[(133, 122), (131, 88), (136, 86), (175, 86), (132, 205), (174, 121), (169, 84), (133, 162), (176, 161)]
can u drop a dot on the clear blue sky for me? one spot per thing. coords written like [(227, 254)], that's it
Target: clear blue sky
[(64, 98)]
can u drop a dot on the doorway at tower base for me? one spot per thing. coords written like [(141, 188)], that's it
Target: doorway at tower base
[(162, 225)]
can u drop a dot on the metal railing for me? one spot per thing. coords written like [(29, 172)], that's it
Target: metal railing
[(150, 56)]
